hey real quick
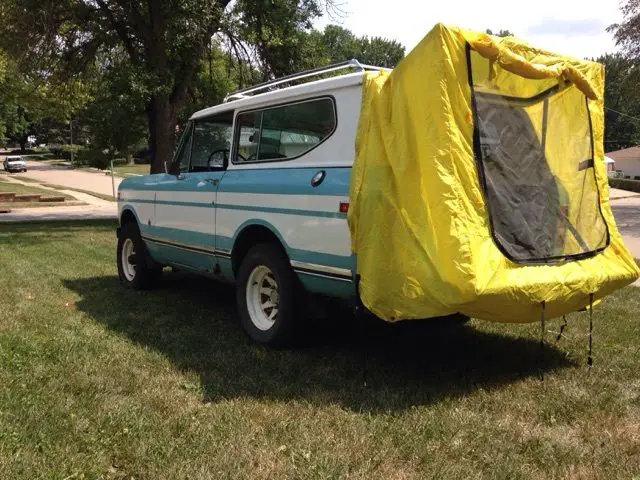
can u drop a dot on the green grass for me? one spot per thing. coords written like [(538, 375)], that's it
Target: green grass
[(123, 170), (28, 189), (22, 189), (100, 382)]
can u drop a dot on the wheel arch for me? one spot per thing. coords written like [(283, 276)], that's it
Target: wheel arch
[(128, 216), (249, 234)]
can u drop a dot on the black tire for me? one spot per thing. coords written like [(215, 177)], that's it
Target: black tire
[(271, 256), (146, 274)]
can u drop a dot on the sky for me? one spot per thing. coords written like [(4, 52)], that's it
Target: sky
[(571, 27)]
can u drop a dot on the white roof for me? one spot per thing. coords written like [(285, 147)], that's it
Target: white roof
[(609, 160), (316, 87)]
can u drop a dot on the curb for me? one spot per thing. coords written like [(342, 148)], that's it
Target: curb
[(624, 196)]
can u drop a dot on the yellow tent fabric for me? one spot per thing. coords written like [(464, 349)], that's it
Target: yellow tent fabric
[(433, 217)]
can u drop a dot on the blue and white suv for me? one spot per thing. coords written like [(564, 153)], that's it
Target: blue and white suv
[(257, 195)]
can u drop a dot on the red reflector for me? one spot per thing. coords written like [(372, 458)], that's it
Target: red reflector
[(344, 207)]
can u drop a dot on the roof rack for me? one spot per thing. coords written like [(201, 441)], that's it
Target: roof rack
[(253, 90)]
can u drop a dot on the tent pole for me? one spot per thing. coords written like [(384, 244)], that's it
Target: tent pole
[(360, 314), (542, 328)]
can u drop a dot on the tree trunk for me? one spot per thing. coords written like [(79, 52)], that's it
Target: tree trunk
[(162, 124), (23, 144)]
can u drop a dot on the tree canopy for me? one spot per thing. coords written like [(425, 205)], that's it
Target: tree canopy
[(110, 63)]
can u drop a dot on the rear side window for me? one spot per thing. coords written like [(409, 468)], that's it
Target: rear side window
[(284, 132), (536, 166)]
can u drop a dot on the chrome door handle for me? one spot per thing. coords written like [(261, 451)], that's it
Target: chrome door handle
[(213, 181), (180, 177)]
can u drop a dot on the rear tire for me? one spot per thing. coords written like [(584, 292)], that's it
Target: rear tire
[(266, 295), (135, 269)]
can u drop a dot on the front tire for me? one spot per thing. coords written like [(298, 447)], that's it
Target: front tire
[(265, 295), (135, 268)]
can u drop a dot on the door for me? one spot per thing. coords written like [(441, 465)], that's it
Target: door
[(185, 223)]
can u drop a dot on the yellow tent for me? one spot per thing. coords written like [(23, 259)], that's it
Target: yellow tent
[(479, 184)]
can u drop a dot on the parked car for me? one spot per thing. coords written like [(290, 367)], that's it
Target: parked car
[(257, 195), (14, 163)]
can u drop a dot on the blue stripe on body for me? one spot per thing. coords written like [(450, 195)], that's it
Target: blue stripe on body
[(280, 181), (288, 211), (287, 181), (247, 208), (209, 242)]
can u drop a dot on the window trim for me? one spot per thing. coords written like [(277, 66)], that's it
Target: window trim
[(477, 154), (236, 133), (188, 132)]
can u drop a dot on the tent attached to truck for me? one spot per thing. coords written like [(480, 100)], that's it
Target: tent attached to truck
[(479, 184)]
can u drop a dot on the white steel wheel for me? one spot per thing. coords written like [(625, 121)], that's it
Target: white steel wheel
[(128, 269), (262, 297)]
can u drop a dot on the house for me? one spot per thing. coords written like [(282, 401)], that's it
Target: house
[(627, 160)]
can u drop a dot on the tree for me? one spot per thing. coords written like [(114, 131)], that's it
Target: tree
[(627, 33), (115, 115), (622, 95), (622, 101), (341, 44), (26, 102), (276, 31), (500, 33), (311, 49), (163, 41), (380, 51)]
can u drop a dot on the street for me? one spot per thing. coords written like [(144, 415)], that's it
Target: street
[(46, 172), (627, 213)]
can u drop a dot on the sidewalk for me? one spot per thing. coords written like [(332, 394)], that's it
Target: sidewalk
[(617, 194), (42, 214), (95, 209)]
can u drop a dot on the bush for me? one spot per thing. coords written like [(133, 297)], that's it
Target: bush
[(142, 156), (625, 184), (94, 158), (636, 177), (64, 151), (17, 151)]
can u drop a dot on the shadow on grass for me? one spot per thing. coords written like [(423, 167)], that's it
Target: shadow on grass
[(193, 322)]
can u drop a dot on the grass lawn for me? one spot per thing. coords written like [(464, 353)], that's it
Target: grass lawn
[(27, 189), (123, 170), (100, 382)]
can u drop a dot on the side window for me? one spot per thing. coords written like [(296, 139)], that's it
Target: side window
[(184, 149), (211, 142), (284, 132)]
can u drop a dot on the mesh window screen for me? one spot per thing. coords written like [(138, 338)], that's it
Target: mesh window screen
[(536, 165)]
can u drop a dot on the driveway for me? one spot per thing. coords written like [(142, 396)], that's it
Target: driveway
[(627, 213), (46, 172)]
